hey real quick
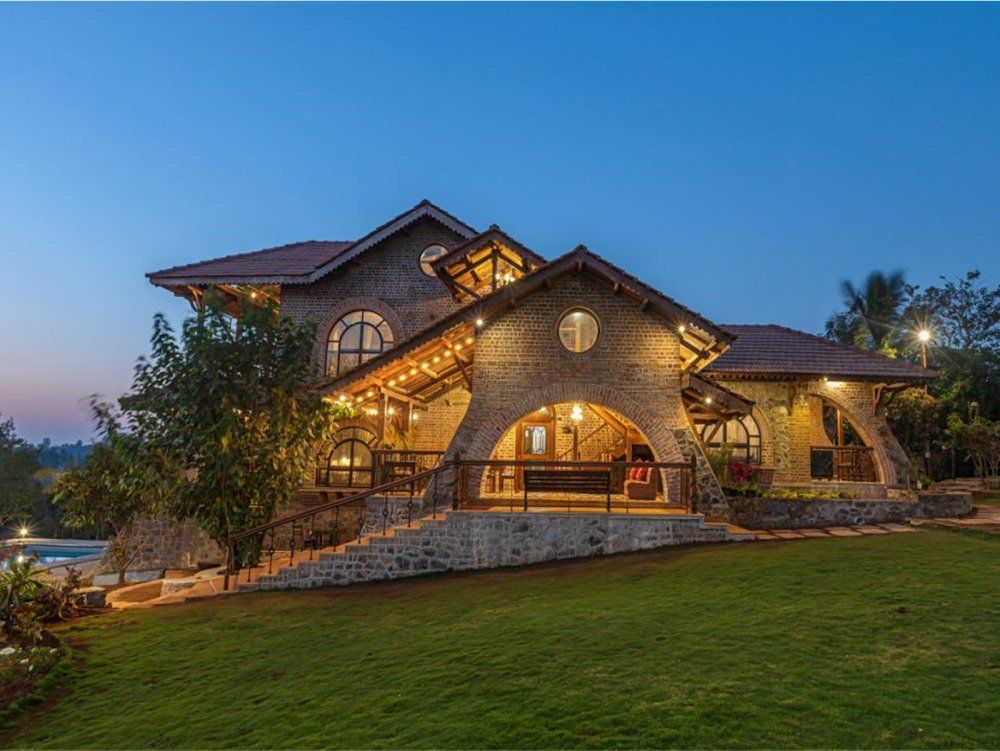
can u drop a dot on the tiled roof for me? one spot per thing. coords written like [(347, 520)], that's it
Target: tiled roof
[(295, 259), (299, 263), (779, 352)]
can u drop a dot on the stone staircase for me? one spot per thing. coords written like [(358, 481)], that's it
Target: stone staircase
[(466, 540)]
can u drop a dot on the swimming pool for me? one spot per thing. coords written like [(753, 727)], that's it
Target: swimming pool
[(57, 551)]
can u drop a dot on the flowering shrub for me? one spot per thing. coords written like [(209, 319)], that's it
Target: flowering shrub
[(21, 668), (740, 473)]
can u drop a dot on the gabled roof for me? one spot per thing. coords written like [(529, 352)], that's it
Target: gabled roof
[(460, 324), (777, 352), (493, 234), (299, 263)]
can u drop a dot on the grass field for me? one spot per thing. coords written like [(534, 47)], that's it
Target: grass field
[(873, 642)]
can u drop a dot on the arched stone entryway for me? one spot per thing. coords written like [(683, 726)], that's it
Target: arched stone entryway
[(476, 437), (490, 416)]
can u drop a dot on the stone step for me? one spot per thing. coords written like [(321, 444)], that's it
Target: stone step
[(428, 545)]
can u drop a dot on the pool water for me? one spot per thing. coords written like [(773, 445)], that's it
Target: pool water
[(49, 553)]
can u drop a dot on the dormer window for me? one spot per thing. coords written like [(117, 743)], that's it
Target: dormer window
[(431, 253), (355, 339)]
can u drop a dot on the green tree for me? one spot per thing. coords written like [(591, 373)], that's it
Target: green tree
[(963, 314), (123, 480), (20, 490), (235, 399), (872, 314)]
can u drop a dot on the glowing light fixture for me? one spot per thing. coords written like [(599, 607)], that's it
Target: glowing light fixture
[(479, 323), (682, 328), (23, 531), (576, 414), (924, 335), (708, 400)]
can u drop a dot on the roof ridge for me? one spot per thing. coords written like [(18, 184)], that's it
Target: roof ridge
[(246, 254)]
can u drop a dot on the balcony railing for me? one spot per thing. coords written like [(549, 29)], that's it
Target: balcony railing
[(843, 463)]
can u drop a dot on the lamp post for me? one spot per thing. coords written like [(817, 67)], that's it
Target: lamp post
[(924, 335)]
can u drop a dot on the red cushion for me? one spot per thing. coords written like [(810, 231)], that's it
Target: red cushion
[(643, 474), (633, 473)]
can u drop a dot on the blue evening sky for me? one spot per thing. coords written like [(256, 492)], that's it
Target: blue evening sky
[(741, 158)]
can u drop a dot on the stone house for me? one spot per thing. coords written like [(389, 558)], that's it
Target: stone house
[(455, 345)]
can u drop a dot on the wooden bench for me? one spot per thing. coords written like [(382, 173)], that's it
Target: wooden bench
[(590, 481)]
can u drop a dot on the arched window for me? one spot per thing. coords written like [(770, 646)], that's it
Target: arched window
[(355, 339), (349, 461), (741, 433)]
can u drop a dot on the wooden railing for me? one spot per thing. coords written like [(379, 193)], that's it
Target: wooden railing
[(843, 463), (620, 441)]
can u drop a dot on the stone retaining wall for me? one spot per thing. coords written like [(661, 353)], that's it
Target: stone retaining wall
[(463, 540), (789, 513)]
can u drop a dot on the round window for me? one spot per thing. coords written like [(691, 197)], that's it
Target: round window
[(578, 330), (431, 253)]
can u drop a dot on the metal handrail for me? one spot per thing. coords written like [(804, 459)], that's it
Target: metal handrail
[(687, 487), (312, 512)]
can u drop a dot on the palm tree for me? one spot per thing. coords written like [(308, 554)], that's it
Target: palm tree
[(877, 306)]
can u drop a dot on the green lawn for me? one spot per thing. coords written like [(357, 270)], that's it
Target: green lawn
[(880, 642)]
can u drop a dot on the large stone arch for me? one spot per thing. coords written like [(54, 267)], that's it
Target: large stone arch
[(479, 441), (865, 422), (489, 416)]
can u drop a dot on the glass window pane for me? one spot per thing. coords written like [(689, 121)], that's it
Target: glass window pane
[(578, 330)]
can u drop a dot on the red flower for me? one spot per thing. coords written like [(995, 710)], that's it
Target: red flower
[(740, 473)]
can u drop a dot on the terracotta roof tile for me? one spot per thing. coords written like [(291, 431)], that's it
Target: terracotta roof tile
[(776, 351), (285, 260)]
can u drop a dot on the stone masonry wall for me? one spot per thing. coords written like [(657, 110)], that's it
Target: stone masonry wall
[(633, 369), (467, 540), (783, 513), (169, 543), (387, 279)]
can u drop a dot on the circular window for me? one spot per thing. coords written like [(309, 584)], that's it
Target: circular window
[(578, 330), (431, 253)]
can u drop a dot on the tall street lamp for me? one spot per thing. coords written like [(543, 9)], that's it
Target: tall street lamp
[(924, 335)]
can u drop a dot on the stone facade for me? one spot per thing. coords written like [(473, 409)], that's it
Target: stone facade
[(465, 540), (169, 543), (784, 513)]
